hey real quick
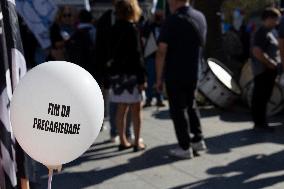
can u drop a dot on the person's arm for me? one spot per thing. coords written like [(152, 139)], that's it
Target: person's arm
[(164, 41), (25, 184), (160, 62), (259, 47), (281, 48), (263, 58), (281, 40)]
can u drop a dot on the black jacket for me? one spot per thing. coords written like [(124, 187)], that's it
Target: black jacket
[(80, 49), (103, 27), (125, 50)]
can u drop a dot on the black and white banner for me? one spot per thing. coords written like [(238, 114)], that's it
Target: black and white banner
[(12, 68), (38, 15)]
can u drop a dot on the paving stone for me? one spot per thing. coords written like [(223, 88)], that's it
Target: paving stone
[(237, 158)]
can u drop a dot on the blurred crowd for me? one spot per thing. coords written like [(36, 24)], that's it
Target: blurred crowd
[(129, 54), (117, 49)]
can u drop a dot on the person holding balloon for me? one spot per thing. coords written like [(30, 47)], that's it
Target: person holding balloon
[(126, 70)]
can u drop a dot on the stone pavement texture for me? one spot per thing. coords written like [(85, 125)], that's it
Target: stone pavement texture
[(237, 157)]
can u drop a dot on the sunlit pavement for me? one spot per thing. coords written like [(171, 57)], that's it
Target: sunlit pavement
[(237, 157)]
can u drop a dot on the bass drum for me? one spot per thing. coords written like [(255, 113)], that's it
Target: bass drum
[(218, 85), (276, 102), (246, 75)]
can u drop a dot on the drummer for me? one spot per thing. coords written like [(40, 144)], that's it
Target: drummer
[(266, 57)]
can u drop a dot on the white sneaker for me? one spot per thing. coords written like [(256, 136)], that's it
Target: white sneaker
[(180, 153), (199, 146)]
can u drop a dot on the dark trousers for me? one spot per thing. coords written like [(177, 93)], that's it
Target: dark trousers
[(263, 86), (184, 113), (151, 80)]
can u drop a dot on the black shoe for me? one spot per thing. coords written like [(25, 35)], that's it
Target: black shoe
[(122, 147), (139, 148), (147, 104), (160, 104), (196, 153), (263, 128)]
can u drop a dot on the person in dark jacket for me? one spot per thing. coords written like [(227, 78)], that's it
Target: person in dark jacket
[(60, 31), (103, 26), (103, 32), (126, 69), (181, 40), (80, 48)]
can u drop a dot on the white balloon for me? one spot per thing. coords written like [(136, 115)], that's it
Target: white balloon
[(57, 112)]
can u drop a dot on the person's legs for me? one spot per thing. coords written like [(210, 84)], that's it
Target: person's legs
[(106, 101), (112, 122), (129, 133), (263, 86), (112, 119), (197, 141), (178, 109), (136, 116), (160, 99), (106, 104), (150, 69), (194, 121), (121, 113)]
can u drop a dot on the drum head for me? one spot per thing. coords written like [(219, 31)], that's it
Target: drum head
[(246, 75), (223, 75)]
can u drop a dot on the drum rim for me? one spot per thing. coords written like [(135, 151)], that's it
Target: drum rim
[(227, 70), (211, 101)]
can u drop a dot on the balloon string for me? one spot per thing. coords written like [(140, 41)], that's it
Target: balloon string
[(50, 173)]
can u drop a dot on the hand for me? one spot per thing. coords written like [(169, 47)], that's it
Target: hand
[(159, 86)]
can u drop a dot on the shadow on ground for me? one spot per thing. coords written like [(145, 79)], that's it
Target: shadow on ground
[(237, 174), (151, 158), (244, 172), (238, 113), (204, 112), (216, 144)]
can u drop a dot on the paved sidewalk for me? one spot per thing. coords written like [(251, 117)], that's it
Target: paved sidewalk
[(238, 158)]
